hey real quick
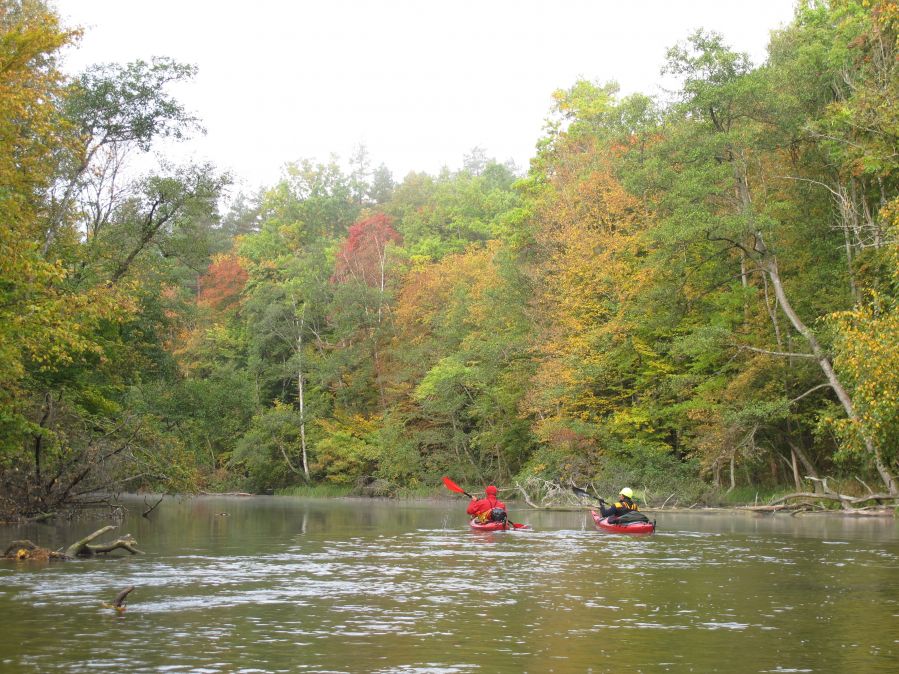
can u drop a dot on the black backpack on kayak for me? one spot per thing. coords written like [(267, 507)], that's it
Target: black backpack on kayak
[(630, 517)]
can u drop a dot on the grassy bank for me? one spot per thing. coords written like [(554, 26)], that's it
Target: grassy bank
[(317, 490)]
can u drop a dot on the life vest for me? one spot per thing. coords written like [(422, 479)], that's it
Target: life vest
[(492, 515), (626, 504)]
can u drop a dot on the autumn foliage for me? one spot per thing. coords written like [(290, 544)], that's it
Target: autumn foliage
[(363, 256), (223, 282), (681, 295)]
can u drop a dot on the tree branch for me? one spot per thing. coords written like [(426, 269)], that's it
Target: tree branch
[(811, 390), (780, 353)]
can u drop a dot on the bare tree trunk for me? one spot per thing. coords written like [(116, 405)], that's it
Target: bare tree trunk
[(46, 414), (382, 287), (769, 264), (797, 480), (301, 392), (772, 314), (804, 460)]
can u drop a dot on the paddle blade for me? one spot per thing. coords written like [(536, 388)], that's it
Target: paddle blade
[(452, 486), (581, 492)]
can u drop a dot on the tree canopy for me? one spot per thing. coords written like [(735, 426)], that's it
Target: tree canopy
[(689, 295)]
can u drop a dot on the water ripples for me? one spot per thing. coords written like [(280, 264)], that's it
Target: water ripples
[(449, 600)]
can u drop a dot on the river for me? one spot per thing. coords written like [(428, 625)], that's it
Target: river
[(277, 584)]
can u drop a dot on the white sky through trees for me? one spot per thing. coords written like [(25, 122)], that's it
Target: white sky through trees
[(419, 83)]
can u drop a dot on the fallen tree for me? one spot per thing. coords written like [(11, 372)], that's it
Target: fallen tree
[(25, 549), (848, 504)]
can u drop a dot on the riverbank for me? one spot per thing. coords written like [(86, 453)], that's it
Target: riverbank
[(721, 502), (757, 502)]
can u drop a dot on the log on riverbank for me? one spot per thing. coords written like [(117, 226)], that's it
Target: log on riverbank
[(849, 505), (817, 508)]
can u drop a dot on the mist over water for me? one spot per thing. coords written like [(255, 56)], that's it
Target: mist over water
[(272, 584)]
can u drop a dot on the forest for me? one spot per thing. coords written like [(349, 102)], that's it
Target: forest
[(696, 296)]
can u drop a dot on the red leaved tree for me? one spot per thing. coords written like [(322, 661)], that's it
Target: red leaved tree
[(363, 257), (361, 272), (221, 285)]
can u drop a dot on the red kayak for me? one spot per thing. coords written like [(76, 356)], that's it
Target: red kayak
[(496, 526), (632, 528)]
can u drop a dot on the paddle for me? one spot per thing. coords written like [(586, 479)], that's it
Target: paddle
[(585, 494), (452, 486)]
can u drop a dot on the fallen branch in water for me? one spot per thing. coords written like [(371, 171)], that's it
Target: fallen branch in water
[(25, 549), (83, 548), (120, 597), (147, 512), (119, 602)]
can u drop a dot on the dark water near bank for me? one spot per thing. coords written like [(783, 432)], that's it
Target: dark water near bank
[(288, 585)]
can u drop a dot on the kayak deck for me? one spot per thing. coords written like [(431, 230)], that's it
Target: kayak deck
[(632, 528), (496, 526)]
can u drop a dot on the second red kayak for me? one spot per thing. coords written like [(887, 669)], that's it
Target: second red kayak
[(631, 528), (496, 526)]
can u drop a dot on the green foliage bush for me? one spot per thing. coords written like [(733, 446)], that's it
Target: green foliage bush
[(266, 455), (654, 473)]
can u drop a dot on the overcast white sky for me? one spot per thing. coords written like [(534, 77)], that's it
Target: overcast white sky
[(418, 82)]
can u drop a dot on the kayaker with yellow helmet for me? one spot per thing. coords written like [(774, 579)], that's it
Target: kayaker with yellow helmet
[(624, 504)]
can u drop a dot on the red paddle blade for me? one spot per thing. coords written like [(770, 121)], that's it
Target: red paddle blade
[(452, 486)]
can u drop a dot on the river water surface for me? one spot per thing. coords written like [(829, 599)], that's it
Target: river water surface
[(277, 584)]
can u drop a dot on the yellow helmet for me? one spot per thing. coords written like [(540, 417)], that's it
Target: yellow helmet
[(627, 491)]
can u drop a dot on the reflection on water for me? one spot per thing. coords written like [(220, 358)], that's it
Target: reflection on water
[(287, 585)]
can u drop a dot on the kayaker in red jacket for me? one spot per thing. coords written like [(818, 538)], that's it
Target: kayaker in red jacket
[(489, 508)]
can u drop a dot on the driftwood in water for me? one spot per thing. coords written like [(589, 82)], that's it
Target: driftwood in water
[(120, 597), (24, 549), (146, 513), (83, 548), (119, 602)]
